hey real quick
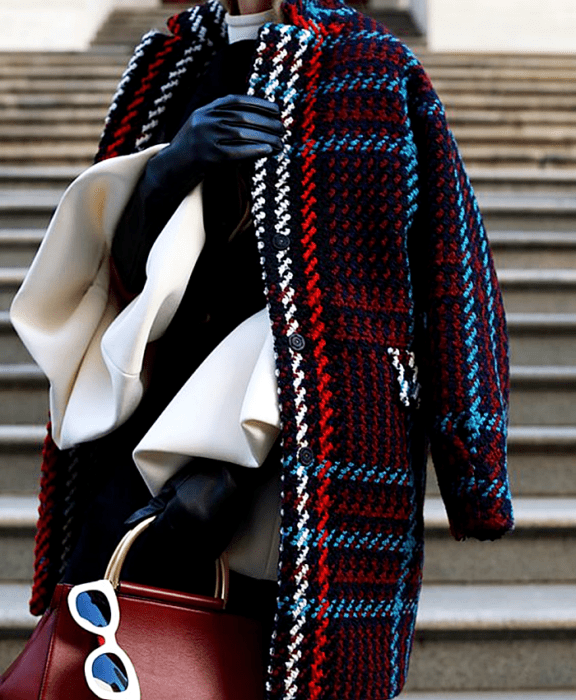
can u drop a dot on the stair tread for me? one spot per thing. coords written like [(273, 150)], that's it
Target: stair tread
[(521, 321), (27, 172), (551, 373), (536, 276), (21, 236), (518, 607), (542, 435), (18, 511), (12, 275), (39, 198), (529, 202), (542, 513), (521, 174), (498, 607), (494, 695), (517, 436), (529, 512), (22, 434), (538, 372), (14, 613), (513, 239)]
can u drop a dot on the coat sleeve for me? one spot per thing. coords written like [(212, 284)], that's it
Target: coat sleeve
[(462, 339)]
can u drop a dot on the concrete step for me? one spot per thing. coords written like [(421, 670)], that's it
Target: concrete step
[(528, 76), (498, 209), (28, 86), (20, 458), (27, 208), (83, 71), (62, 152), (495, 637), (543, 395), (510, 135), (12, 351), (46, 100), (16, 623), (33, 177), (534, 249), (490, 117), (501, 86), (468, 637), (18, 516), (77, 153), (72, 59), (24, 394), (539, 291), (542, 548), (49, 132), (523, 181), (525, 291), (530, 211), (502, 61), (541, 462), (540, 458), (494, 695), (17, 200), (517, 134), (49, 115), (10, 280), (125, 26), (18, 246), (502, 155), (542, 339), (456, 99)]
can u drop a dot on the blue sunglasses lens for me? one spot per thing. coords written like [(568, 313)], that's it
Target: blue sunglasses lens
[(94, 607), (110, 673)]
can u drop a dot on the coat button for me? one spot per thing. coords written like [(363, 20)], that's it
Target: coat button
[(306, 456), (280, 241), (297, 342)]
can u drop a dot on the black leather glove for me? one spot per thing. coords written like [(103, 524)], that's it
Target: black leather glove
[(229, 129), (197, 508)]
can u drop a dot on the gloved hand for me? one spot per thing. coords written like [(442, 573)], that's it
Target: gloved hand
[(198, 509), (231, 128)]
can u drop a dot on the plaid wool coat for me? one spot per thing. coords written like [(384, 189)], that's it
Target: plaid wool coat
[(388, 324)]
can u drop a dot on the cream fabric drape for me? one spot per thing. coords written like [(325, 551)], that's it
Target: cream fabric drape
[(94, 352)]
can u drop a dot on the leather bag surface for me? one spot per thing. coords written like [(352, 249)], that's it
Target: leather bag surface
[(182, 646)]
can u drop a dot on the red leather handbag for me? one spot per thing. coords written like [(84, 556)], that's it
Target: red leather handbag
[(181, 646)]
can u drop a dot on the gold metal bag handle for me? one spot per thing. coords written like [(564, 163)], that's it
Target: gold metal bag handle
[(118, 558)]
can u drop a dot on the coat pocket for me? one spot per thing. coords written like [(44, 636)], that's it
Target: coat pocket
[(406, 373)]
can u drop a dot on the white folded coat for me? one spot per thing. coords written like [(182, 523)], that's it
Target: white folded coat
[(94, 352)]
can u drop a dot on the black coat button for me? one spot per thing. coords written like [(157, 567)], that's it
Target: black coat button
[(306, 456), (280, 241), (297, 342)]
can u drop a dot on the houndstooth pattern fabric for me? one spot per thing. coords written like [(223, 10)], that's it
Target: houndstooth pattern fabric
[(388, 323)]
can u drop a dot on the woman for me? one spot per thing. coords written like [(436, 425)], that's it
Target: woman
[(387, 323)]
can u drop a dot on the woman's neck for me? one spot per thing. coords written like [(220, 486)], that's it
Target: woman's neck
[(249, 7)]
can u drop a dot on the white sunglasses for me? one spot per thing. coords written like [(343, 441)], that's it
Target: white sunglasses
[(109, 672)]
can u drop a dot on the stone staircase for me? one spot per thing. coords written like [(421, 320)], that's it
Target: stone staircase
[(497, 620), (125, 26)]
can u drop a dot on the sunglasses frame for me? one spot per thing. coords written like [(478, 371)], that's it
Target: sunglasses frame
[(110, 645)]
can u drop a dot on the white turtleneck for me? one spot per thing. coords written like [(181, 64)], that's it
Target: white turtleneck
[(242, 27)]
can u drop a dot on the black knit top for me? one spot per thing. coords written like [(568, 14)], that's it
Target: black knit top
[(225, 288)]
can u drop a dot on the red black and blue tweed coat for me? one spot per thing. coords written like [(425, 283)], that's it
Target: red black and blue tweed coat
[(388, 325)]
